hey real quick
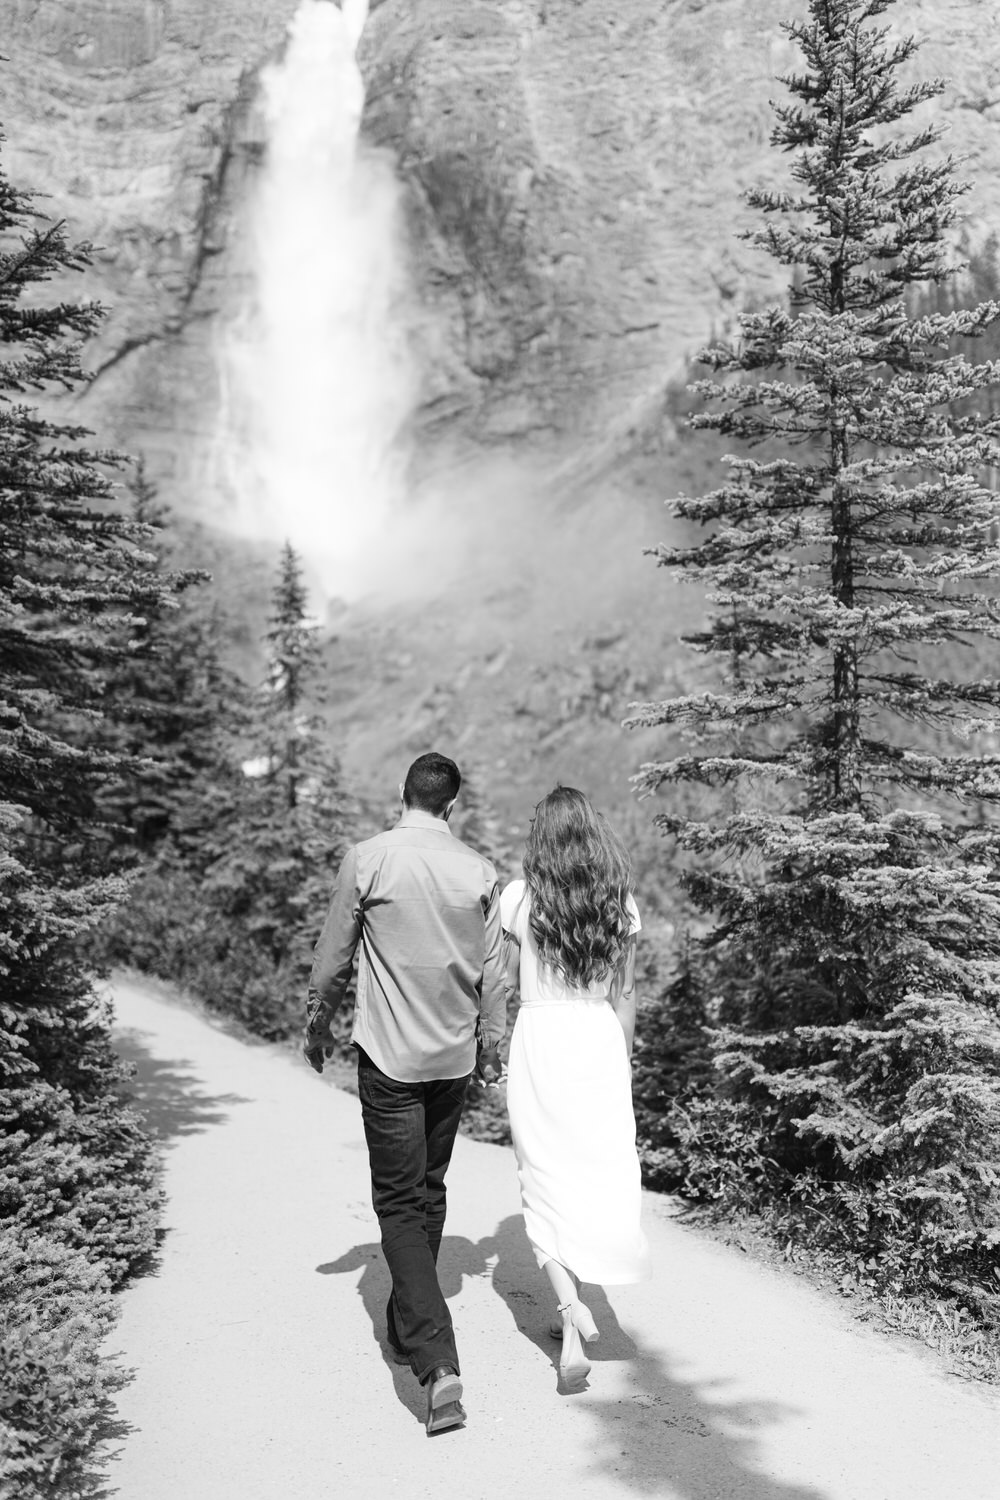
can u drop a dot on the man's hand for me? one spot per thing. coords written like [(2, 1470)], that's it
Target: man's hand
[(489, 1069), (318, 1045)]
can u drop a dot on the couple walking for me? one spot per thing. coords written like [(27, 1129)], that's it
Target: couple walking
[(440, 949)]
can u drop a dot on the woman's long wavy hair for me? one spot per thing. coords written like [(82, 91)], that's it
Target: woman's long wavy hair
[(580, 878)]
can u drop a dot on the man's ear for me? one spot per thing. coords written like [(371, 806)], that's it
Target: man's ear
[(450, 808), (402, 797)]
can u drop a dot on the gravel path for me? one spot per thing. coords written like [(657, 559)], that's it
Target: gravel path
[(259, 1354)]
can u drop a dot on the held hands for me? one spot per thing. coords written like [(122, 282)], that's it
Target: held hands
[(489, 1069), (317, 1046)]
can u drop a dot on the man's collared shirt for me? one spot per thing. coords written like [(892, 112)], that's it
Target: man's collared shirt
[(426, 910)]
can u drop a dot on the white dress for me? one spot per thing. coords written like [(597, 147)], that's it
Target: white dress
[(569, 1093)]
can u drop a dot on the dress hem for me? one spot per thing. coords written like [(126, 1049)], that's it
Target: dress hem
[(613, 1278)]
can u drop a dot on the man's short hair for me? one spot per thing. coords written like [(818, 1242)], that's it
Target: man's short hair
[(431, 783)]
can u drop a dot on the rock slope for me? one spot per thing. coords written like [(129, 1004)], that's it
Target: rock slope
[(572, 173)]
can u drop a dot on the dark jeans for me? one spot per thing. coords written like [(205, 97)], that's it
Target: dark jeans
[(410, 1129)]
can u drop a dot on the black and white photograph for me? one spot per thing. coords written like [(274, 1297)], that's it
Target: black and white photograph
[(499, 749)]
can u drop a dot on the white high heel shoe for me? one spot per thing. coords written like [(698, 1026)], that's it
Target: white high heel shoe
[(587, 1327), (577, 1323)]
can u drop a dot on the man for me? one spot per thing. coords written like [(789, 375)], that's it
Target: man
[(430, 991)]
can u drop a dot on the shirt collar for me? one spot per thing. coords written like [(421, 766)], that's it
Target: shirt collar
[(416, 817)]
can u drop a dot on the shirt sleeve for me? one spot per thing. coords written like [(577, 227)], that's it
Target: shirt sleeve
[(493, 995), (333, 958), (635, 921), (510, 902)]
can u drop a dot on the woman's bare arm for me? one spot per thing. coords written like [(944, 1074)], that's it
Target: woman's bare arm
[(623, 995), (510, 957), (489, 1069)]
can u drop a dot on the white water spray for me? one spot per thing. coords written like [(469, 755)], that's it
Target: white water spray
[(317, 381)]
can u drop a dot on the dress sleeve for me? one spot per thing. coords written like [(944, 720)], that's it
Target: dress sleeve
[(635, 921), (510, 908)]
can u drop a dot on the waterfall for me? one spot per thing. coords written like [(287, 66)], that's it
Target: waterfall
[(316, 379)]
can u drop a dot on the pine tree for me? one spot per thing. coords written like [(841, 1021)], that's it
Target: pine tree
[(857, 941), (276, 872), (293, 668), (236, 915), (173, 705), (231, 902), (76, 1199)]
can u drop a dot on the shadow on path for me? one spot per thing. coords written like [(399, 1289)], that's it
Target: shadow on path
[(112, 1432), (167, 1093), (169, 1097), (458, 1257), (665, 1432)]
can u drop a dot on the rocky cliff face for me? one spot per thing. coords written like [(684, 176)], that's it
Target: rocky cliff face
[(574, 172), (571, 172), (132, 115)]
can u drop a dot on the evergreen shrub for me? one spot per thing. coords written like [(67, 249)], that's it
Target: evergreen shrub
[(670, 1059), (78, 1203), (237, 932), (55, 1387)]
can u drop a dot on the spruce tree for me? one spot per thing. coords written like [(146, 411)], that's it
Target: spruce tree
[(173, 705), (850, 561), (292, 811), (71, 581), (230, 901), (76, 1199), (265, 866), (287, 731)]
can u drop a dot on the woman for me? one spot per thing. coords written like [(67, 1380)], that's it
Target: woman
[(569, 927)]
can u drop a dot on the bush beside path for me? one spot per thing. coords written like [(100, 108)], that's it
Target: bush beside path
[(259, 1355)]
